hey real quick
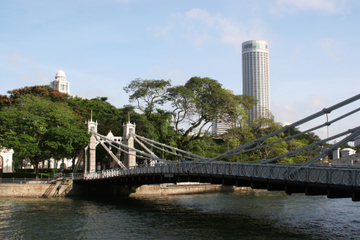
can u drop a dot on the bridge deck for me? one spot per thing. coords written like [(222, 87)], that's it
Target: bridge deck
[(315, 180)]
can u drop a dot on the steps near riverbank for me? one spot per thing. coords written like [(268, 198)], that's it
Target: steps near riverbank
[(73, 190)]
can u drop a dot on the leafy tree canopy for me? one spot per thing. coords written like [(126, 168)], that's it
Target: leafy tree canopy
[(39, 91), (39, 129), (201, 101), (148, 92)]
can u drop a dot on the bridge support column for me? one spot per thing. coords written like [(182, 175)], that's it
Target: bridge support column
[(90, 150), (294, 188), (130, 156), (90, 156), (315, 191), (259, 184), (355, 196), (339, 193), (275, 186)]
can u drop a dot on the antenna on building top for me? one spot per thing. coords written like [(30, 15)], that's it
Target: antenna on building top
[(91, 116)]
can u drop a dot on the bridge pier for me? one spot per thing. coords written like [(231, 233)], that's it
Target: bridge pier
[(315, 190), (294, 188), (229, 181), (339, 193), (214, 180), (275, 186), (259, 184), (355, 195), (243, 182)]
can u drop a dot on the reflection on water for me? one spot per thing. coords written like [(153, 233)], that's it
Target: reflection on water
[(241, 215)]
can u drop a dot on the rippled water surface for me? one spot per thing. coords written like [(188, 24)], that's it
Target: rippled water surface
[(239, 215)]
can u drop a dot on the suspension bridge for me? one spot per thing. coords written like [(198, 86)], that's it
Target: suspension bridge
[(311, 177)]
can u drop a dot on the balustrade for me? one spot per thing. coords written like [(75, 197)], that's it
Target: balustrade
[(295, 173)]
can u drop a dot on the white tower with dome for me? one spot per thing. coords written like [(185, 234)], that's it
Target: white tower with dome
[(60, 83)]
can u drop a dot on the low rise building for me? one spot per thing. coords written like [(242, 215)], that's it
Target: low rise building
[(6, 160)]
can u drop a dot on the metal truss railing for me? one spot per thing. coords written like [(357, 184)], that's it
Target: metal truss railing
[(294, 173), (25, 180)]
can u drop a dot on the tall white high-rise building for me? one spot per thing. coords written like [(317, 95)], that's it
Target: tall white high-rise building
[(60, 83), (256, 81)]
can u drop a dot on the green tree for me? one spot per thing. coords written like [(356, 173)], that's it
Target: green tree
[(147, 93), (45, 92), (201, 101), (108, 116), (40, 129)]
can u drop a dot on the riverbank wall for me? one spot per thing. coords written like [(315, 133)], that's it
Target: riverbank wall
[(39, 190), (185, 188), (23, 190)]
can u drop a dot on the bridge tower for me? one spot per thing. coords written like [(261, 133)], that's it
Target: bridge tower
[(90, 150), (128, 139)]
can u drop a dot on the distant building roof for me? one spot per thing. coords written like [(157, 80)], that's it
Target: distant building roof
[(60, 73)]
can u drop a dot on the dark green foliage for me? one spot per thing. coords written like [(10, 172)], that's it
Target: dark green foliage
[(238, 136), (39, 129), (50, 123), (147, 92), (201, 101)]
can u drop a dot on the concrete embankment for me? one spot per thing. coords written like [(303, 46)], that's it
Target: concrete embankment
[(23, 190), (36, 189), (39, 190), (184, 188)]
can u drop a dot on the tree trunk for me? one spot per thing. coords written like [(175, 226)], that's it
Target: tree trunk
[(73, 162), (36, 166)]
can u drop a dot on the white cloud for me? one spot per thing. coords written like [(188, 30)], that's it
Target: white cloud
[(161, 31), (35, 78), (328, 45), (326, 6), (294, 111), (175, 75), (29, 71), (19, 59), (297, 110), (317, 102), (200, 27)]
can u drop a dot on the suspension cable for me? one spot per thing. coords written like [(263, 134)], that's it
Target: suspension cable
[(300, 122), (163, 150), (130, 148), (167, 146)]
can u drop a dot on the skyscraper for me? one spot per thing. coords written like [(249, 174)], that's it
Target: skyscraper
[(256, 81), (60, 83)]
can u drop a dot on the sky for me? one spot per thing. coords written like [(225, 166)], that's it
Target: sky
[(314, 47)]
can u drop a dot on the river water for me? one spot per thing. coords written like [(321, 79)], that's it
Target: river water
[(238, 215)]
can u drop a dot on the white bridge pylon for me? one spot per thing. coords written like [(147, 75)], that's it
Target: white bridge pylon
[(125, 145)]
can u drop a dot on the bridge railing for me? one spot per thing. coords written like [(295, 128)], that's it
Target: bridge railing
[(294, 173), (25, 180)]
